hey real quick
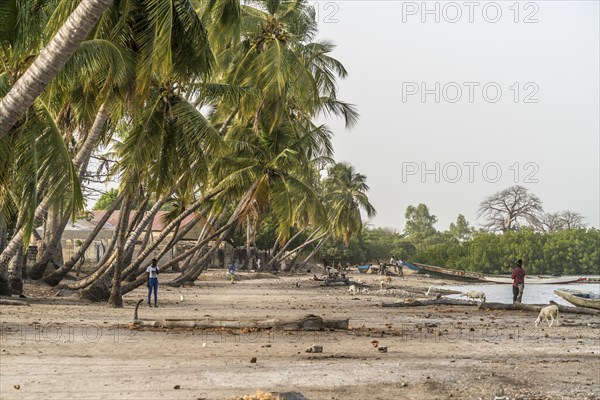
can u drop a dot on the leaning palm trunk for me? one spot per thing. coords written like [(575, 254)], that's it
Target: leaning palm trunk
[(192, 273), (82, 156), (55, 277), (276, 257), (127, 287), (50, 62), (102, 266), (194, 257), (315, 250), (165, 232), (93, 277), (241, 208), (85, 152), (145, 221), (116, 299), (298, 249)]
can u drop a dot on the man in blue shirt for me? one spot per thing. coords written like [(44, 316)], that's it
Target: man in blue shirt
[(232, 271)]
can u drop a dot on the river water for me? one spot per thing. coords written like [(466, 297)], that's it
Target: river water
[(532, 294)]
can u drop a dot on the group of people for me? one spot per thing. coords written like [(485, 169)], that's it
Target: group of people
[(396, 264)]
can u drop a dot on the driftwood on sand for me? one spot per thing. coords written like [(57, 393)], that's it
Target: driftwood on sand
[(537, 308), (306, 323), (12, 302), (493, 306), (441, 301)]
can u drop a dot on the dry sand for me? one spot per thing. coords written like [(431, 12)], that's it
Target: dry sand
[(59, 348)]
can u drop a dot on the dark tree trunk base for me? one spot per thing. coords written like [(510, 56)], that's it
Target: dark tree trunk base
[(4, 287), (98, 292)]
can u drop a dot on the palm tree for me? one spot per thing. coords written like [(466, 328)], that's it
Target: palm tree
[(346, 193), (50, 61)]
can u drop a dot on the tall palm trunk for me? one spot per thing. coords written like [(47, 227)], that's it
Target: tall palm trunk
[(17, 240), (248, 259), (49, 62), (52, 252)]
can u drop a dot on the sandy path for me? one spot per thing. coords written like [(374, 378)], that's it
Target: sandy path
[(59, 349)]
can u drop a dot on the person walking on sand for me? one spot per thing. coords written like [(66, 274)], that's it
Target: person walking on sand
[(152, 272), (518, 277), (232, 271)]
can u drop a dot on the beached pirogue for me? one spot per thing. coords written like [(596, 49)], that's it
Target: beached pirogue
[(581, 298)]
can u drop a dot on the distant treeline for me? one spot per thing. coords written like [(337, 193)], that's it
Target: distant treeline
[(571, 251)]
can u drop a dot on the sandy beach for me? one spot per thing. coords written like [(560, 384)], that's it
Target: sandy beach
[(59, 348)]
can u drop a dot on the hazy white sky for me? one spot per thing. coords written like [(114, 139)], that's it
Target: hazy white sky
[(517, 102)]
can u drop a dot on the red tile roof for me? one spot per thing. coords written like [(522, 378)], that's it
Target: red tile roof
[(157, 223)]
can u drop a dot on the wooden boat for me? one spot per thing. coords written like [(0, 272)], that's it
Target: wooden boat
[(455, 274), (534, 280), (581, 298)]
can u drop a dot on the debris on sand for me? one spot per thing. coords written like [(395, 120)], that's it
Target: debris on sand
[(315, 348), (260, 395)]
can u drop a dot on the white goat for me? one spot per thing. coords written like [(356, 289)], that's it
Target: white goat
[(550, 312), (382, 285), (352, 289), (474, 294)]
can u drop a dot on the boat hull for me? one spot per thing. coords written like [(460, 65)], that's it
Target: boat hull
[(578, 301), (446, 273)]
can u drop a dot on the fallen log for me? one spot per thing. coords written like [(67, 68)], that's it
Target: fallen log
[(13, 302), (307, 323), (421, 303), (537, 308)]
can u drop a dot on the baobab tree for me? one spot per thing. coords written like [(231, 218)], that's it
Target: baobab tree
[(509, 209)]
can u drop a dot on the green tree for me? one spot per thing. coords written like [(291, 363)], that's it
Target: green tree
[(346, 192), (419, 223), (106, 200), (461, 230)]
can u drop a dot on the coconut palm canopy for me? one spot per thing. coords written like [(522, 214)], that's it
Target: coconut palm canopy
[(197, 107)]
